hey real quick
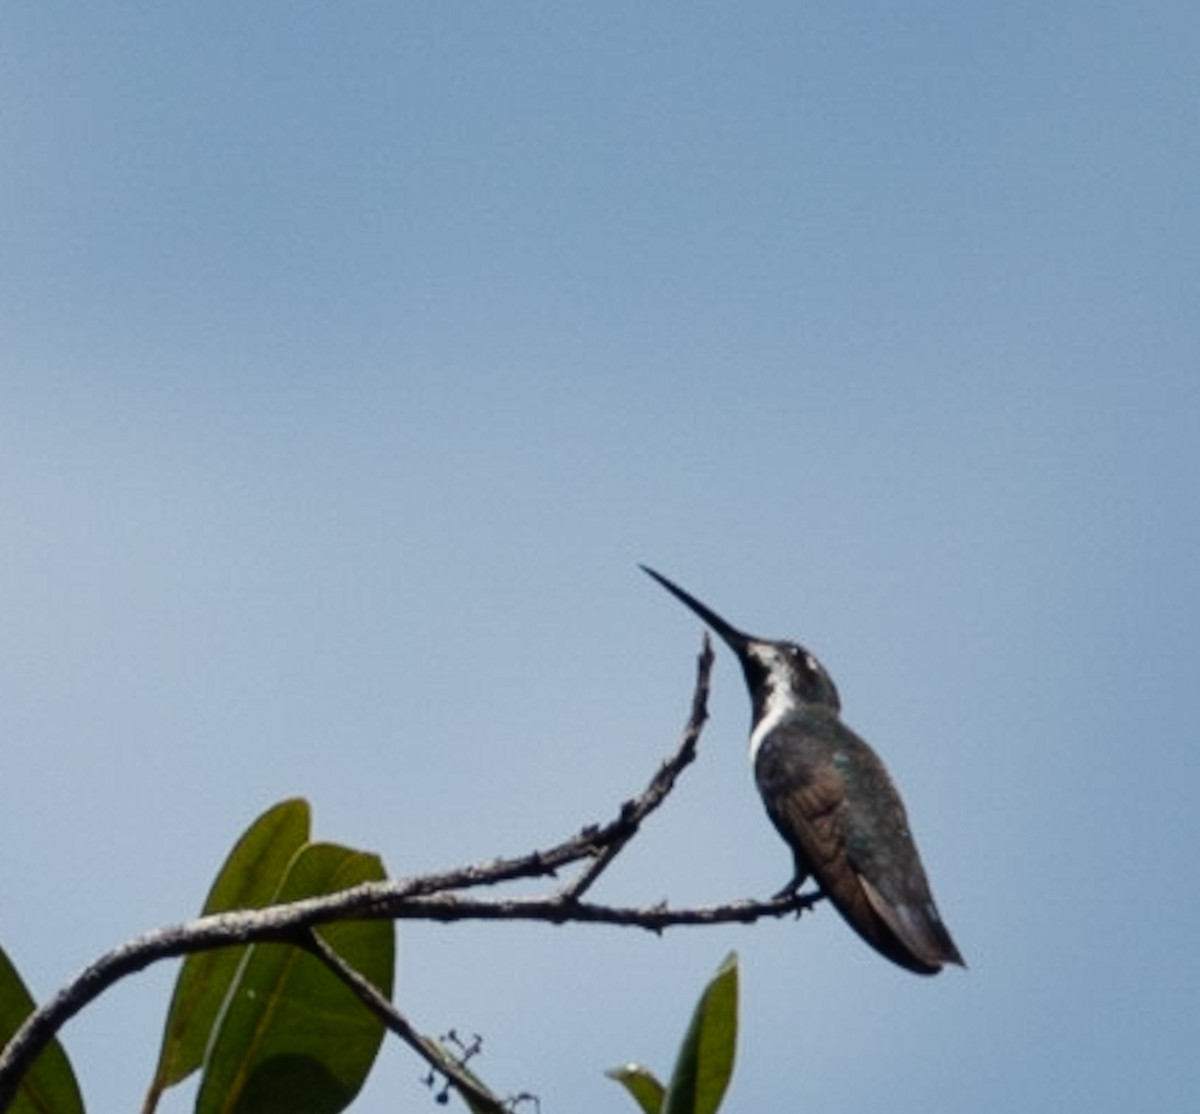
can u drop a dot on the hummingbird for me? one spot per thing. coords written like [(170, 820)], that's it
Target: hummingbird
[(832, 800)]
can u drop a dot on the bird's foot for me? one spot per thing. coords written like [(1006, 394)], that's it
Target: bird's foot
[(792, 888), (803, 902)]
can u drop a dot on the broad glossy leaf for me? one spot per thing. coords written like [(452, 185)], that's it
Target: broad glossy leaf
[(49, 1086), (705, 1062), (642, 1084), (249, 879), (293, 1039)]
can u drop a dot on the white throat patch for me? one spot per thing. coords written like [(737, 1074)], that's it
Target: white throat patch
[(780, 701)]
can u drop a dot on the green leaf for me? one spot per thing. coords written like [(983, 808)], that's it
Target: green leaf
[(293, 1039), (642, 1084), (705, 1062), (249, 879), (49, 1086)]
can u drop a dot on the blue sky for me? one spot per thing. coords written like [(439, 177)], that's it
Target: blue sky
[(354, 354)]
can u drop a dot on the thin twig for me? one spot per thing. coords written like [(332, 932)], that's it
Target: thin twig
[(378, 1004), (599, 842), (635, 811), (561, 909)]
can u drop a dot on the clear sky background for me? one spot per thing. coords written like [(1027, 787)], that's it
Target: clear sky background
[(351, 355)]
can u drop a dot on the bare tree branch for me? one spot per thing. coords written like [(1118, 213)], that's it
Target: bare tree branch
[(367, 993), (634, 812), (432, 897)]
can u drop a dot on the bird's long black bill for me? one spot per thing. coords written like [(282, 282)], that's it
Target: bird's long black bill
[(733, 637)]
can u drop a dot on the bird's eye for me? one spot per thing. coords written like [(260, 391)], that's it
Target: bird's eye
[(806, 661), (802, 658)]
